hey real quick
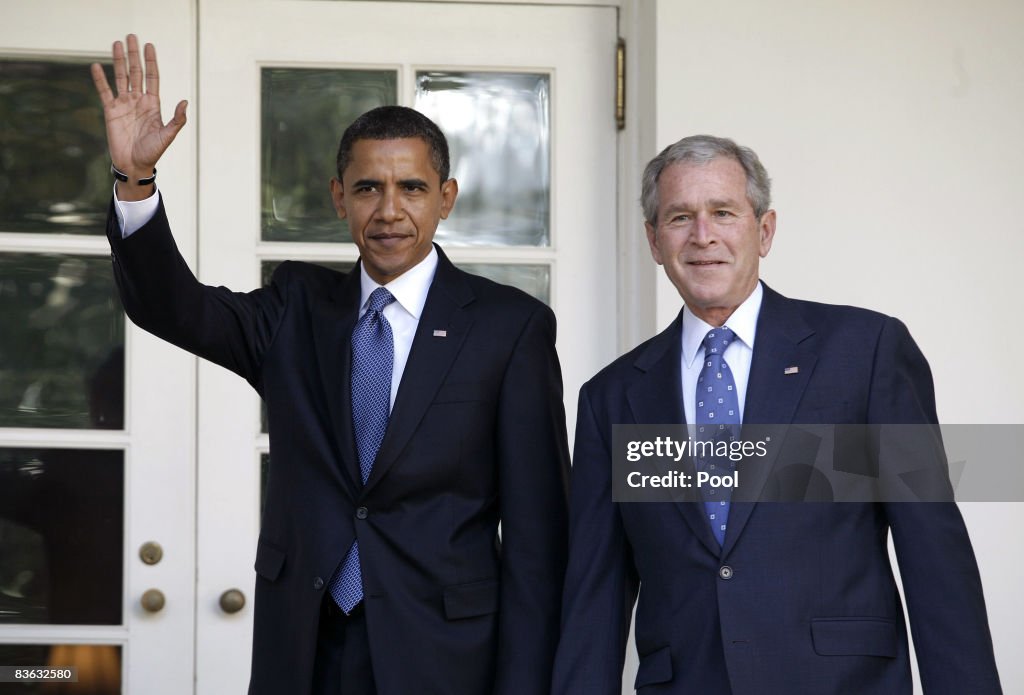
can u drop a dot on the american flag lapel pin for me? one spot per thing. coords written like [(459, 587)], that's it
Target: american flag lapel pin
[(791, 370), (440, 333)]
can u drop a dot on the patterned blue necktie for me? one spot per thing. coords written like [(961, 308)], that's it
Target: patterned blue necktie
[(373, 357), (718, 420)]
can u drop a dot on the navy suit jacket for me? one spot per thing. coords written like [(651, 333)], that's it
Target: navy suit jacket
[(476, 436), (808, 604)]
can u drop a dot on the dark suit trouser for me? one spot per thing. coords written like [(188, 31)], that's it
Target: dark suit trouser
[(342, 665)]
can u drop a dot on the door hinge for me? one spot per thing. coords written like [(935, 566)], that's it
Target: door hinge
[(620, 84)]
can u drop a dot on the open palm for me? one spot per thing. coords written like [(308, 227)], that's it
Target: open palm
[(136, 134)]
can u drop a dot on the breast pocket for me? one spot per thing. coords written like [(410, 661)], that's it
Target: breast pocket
[(462, 392)]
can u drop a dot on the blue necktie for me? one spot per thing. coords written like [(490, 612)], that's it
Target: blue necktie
[(373, 357), (718, 420)]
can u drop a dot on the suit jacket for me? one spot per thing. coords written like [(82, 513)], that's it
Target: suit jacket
[(476, 436), (800, 599)]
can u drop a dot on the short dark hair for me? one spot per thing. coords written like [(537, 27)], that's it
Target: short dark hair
[(392, 123)]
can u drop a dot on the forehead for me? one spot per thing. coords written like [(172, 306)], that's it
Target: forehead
[(695, 183), (405, 156)]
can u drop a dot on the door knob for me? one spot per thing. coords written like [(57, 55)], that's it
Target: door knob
[(151, 553), (153, 600), (232, 601)]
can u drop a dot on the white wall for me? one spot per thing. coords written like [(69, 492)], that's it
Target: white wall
[(892, 133)]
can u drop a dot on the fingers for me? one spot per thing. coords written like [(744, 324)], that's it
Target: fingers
[(99, 78), (120, 69), (134, 64), (152, 73), (177, 121)]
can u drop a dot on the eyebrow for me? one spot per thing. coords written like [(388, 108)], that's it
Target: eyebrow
[(401, 182), (413, 182), (713, 204)]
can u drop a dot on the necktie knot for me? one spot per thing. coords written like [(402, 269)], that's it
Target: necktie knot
[(717, 340), (379, 299)]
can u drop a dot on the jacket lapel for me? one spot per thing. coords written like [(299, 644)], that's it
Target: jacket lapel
[(333, 320), (430, 360), (655, 398), (774, 390)]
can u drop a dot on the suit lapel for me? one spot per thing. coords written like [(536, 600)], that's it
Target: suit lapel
[(430, 360), (774, 390), (655, 398), (333, 320)]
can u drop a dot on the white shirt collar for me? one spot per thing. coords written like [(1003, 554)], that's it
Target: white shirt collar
[(409, 289), (743, 323)]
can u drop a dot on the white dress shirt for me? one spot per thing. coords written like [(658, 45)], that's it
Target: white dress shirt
[(409, 289), (410, 292), (738, 353)]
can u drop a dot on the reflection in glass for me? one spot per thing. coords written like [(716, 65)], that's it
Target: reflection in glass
[(62, 355), (266, 272), (535, 280), (54, 165), (61, 536), (98, 667), (304, 114), (498, 130)]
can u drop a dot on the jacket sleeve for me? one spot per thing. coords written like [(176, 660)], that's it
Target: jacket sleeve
[(940, 575), (161, 295), (601, 582), (533, 469)]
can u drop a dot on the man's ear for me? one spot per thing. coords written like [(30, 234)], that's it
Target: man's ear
[(766, 232), (449, 192), (652, 239), (338, 197)]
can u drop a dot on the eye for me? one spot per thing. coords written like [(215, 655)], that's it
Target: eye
[(723, 213), (414, 187), (365, 188), (679, 218)]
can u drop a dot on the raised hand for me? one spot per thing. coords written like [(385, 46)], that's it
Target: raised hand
[(136, 134)]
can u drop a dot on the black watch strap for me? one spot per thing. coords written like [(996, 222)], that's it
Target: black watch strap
[(123, 177)]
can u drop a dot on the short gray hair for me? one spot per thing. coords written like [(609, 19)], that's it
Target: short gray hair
[(701, 149)]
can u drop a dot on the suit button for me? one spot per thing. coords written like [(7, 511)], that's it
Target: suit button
[(725, 572), (362, 513), (318, 583)]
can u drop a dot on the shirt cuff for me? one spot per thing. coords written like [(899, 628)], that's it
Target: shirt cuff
[(133, 214)]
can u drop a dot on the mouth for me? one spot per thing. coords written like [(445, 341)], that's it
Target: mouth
[(388, 238), (705, 264)]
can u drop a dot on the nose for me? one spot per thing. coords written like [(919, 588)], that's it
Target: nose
[(701, 234), (390, 207)]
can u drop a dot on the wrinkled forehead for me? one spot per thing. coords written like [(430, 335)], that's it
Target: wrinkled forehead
[(699, 184)]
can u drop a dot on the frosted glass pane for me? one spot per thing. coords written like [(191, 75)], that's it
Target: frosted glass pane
[(535, 280), (498, 130), (62, 353), (54, 164), (304, 113)]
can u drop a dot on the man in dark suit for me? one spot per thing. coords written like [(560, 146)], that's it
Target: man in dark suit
[(412, 408), (738, 596)]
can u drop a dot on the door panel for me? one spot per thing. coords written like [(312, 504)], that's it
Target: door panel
[(92, 465), (524, 94)]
